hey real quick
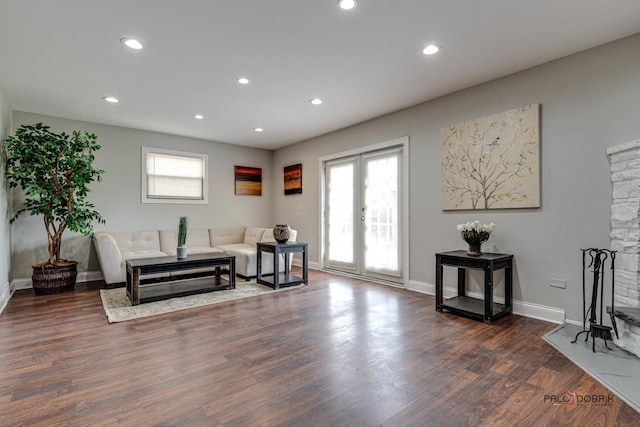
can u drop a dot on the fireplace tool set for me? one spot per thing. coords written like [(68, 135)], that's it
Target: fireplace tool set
[(598, 258)]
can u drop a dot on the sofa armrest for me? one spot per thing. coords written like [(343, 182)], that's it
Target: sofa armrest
[(109, 256)]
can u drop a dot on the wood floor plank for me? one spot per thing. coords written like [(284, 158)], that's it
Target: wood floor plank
[(337, 352)]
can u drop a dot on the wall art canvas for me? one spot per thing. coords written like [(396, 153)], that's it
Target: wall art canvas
[(293, 179), (492, 162), (248, 181)]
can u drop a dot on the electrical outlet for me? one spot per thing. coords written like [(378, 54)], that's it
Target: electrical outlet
[(558, 283)]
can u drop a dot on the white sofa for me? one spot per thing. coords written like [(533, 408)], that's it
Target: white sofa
[(114, 248)]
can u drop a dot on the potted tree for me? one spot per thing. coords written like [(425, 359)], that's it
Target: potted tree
[(54, 171)]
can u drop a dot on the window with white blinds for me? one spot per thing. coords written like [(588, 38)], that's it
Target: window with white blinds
[(173, 176)]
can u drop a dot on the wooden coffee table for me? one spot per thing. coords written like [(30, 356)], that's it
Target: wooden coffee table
[(153, 279)]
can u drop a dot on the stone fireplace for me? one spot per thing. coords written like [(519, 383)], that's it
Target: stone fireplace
[(624, 160)]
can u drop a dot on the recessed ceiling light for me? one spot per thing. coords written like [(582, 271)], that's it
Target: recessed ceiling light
[(199, 116), (243, 80), (432, 49), (258, 129), (316, 101), (111, 99), (131, 43), (347, 4)]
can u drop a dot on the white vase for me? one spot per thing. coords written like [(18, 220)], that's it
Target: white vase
[(182, 252)]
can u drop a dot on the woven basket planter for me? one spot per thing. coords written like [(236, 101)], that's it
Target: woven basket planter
[(48, 279)]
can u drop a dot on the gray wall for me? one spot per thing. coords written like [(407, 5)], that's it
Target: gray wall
[(5, 229), (117, 197), (589, 101)]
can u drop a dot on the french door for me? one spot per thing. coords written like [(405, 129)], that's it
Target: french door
[(362, 214)]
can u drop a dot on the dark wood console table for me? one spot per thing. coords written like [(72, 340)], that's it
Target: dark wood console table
[(170, 277), (278, 280), (482, 309)]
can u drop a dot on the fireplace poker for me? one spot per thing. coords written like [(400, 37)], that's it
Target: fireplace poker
[(598, 330), (613, 293)]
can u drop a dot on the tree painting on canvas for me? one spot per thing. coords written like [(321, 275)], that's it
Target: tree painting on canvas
[(492, 162)]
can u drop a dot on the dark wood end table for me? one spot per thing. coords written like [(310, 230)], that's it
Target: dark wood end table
[(481, 309), (278, 280)]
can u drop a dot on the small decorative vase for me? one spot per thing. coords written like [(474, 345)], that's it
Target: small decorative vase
[(181, 252), (282, 233), (475, 241), (474, 249)]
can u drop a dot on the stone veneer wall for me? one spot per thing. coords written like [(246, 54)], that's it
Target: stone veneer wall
[(625, 224), (624, 160)]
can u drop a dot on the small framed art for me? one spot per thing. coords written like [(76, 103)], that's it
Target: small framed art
[(293, 179), (248, 181)]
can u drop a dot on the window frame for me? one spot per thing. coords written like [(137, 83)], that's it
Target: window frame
[(173, 200)]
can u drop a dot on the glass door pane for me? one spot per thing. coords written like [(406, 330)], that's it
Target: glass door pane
[(340, 225), (381, 213), (362, 214)]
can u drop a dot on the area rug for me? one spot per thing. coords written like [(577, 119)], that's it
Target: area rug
[(616, 369), (118, 308)]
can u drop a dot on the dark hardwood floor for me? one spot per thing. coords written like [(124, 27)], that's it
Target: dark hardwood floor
[(338, 352)]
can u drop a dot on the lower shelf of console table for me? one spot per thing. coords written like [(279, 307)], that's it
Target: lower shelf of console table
[(473, 307), (284, 280), (180, 288)]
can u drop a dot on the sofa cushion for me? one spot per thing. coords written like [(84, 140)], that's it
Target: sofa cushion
[(267, 236), (246, 261), (197, 238), (253, 235), (144, 253), (137, 240), (233, 246), (141, 254), (219, 236), (109, 256), (196, 250)]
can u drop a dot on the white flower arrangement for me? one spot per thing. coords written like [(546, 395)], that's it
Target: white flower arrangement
[(476, 227), (475, 234)]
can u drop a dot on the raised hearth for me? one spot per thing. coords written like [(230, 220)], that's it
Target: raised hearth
[(624, 160)]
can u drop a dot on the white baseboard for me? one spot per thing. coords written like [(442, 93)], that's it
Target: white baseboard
[(85, 276), (521, 308), (423, 288), (90, 276), (311, 264), (5, 296), (540, 312), (19, 284)]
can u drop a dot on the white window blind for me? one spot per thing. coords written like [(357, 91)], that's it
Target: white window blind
[(173, 177)]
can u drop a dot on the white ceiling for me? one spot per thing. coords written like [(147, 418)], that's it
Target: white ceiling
[(59, 57)]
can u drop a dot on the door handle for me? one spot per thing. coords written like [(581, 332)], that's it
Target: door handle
[(362, 218)]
